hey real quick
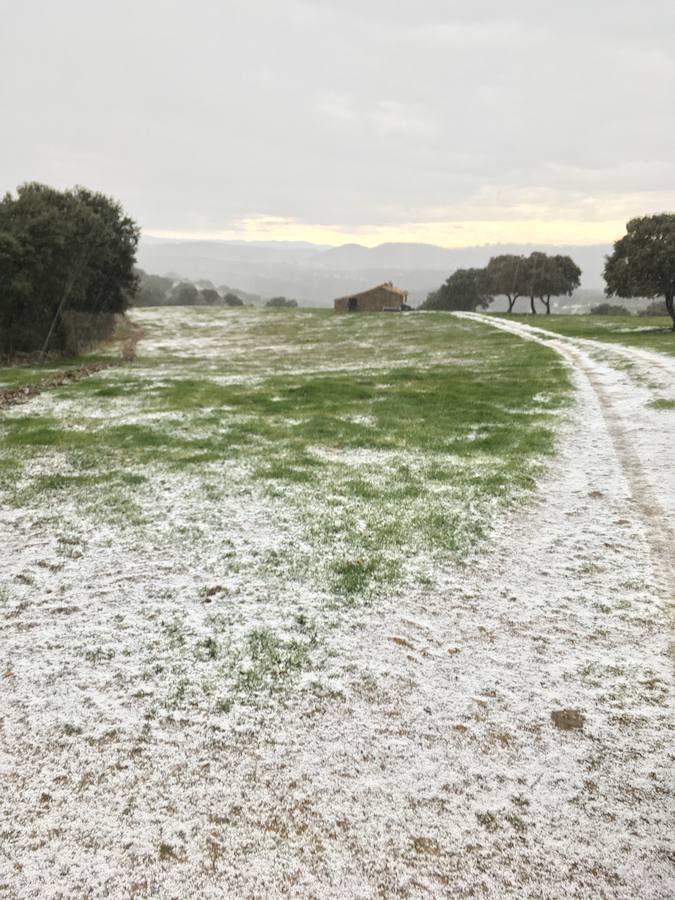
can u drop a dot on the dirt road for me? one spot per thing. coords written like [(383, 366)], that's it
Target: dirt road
[(626, 381)]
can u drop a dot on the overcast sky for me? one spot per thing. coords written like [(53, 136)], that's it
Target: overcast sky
[(447, 121)]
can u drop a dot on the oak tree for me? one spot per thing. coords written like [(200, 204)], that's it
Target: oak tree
[(642, 263)]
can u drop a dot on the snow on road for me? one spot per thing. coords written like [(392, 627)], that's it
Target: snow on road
[(643, 437), (429, 765)]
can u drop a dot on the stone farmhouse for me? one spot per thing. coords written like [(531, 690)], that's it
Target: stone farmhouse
[(383, 298)]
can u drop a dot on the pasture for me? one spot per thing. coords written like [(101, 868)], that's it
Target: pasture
[(287, 603), (265, 471)]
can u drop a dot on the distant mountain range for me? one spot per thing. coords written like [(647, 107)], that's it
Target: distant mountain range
[(315, 274)]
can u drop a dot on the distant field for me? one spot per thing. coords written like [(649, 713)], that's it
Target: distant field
[(647, 332)]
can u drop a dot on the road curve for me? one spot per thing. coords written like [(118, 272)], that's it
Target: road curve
[(643, 438)]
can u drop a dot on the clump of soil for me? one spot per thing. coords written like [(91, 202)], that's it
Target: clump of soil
[(568, 719), (426, 845), (402, 642)]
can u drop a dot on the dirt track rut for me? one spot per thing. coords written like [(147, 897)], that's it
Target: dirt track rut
[(651, 477)]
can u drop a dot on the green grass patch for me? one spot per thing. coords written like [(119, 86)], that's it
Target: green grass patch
[(271, 661), (385, 435)]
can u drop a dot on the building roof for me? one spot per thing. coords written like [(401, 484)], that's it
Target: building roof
[(385, 286)]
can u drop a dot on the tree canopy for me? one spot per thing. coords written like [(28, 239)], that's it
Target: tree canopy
[(465, 289), (642, 263), (507, 277), (210, 296), (550, 276), (537, 276), (185, 294), (281, 303), (153, 290), (66, 268), (160, 290)]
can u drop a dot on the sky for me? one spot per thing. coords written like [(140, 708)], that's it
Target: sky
[(439, 121)]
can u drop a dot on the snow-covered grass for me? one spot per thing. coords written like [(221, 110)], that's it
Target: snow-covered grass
[(384, 437), (642, 332), (277, 620)]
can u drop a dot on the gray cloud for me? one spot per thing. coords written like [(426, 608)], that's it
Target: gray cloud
[(348, 113)]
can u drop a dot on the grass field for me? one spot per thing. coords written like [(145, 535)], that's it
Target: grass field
[(326, 460), (645, 332), (301, 605)]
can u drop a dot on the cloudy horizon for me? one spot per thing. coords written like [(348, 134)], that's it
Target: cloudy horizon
[(450, 123)]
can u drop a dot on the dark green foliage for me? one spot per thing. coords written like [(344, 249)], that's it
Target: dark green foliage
[(209, 296), (643, 261), (153, 290), (507, 276), (66, 268), (609, 309), (465, 289), (184, 294), (156, 290), (281, 303), (549, 276)]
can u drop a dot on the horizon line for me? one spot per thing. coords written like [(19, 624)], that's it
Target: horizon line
[(210, 238)]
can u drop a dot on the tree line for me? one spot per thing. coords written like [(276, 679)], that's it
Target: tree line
[(162, 290), (641, 264), (538, 277)]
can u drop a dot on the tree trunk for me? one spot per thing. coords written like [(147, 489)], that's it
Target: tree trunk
[(534, 311), (547, 303), (64, 297), (669, 307), (511, 302)]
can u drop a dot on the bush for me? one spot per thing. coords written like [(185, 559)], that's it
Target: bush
[(281, 303), (656, 308), (610, 309)]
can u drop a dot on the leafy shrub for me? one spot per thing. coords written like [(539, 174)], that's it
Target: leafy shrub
[(610, 309), (281, 303), (656, 308)]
